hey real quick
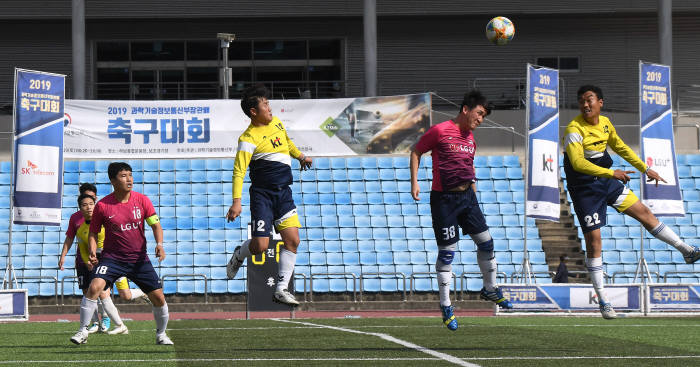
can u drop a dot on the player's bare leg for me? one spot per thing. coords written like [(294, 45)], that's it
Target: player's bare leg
[(643, 215)]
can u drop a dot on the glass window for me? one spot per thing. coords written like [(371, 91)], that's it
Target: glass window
[(203, 50), (549, 62), (569, 63), (324, 49), (112, 51), (324, 72), (202, 75), (240, 50), (280, 50), (158, 51), (112, 83)]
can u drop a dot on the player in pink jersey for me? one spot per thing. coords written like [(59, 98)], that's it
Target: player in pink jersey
[(453, 201), (123, 213)]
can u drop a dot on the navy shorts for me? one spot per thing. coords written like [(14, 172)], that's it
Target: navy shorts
[(84, 277), (451, 209), (141, 273), (270, 206), (591, 201)]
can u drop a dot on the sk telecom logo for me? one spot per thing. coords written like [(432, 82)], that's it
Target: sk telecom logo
[(33, 169), (547, 163)]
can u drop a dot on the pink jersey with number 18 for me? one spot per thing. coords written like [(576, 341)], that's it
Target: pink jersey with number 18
[(125, 239)]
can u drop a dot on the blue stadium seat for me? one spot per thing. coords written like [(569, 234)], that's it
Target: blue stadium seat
[(498, 173), (501, 185), (494, 161), (483, 173), (338, 163), (511, 161), (514, 173)]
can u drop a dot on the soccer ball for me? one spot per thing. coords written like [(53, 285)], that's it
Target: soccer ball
[(500, 30)]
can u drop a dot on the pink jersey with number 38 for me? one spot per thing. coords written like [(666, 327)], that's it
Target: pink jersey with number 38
[(125, 239)]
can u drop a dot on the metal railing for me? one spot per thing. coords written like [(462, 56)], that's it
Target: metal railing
[(331, 276), (673, 273), (378, 275), (302, 275), (293, 89), (429, 273), (178, 276), (62, 286), (40, 278), (620, 273), (466, 275)]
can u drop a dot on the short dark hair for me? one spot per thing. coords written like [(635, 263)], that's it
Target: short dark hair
[(475, 98), (87, 187), (85, 196), (588, 87), (115, 167), (251, 96)]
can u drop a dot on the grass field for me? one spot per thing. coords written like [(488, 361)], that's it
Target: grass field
[(484, 341)]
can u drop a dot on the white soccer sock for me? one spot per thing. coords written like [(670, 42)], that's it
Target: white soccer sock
[(286, 268), (161, 316), (444, 284), (111, 311), (88, 307), (101, 309), (595, 270), (95, 316), (667, 235), (136, 293), (243, 251), (488, 266)]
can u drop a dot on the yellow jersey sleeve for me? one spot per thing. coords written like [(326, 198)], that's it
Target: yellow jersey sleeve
[(623, 150), (293, 150), (246, 149), (573, 143)]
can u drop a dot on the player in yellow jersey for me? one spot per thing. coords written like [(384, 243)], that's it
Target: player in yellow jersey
[(266, 148), (593, 186)]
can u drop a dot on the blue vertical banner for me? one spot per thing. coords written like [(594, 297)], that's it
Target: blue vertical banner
[(657, 146), (38, 147), (543, 143)]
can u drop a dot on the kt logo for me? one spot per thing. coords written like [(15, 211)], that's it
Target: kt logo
[(276, 142), (547, 163)]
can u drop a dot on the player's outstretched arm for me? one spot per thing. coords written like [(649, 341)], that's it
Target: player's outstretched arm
[(67, 243), (623, 176), (158, 236), (414, 162), (235, 210)]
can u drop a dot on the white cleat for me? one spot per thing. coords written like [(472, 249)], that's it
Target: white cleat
[(607, 311), (80, 337), (163, 339), (285, 297), (233, 264), (93, 328), (119, 329)]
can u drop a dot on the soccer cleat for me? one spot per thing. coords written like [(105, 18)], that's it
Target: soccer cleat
[(80, 337), (233, 264), (163, 339), (496, 297), (93, 328), (607, 311), (693, 256), (285, 297), (105, 324), (448, 317), (119, 329)]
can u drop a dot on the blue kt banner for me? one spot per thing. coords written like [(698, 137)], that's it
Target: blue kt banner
[(38, 147), (658, 150), (543, 147)]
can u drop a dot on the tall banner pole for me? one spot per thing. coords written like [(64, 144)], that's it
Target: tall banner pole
[(542, 146)]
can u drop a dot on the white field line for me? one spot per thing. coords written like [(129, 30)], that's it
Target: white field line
[(434, 353)]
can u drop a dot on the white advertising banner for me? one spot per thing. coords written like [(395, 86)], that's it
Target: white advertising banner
[(210, 128)]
